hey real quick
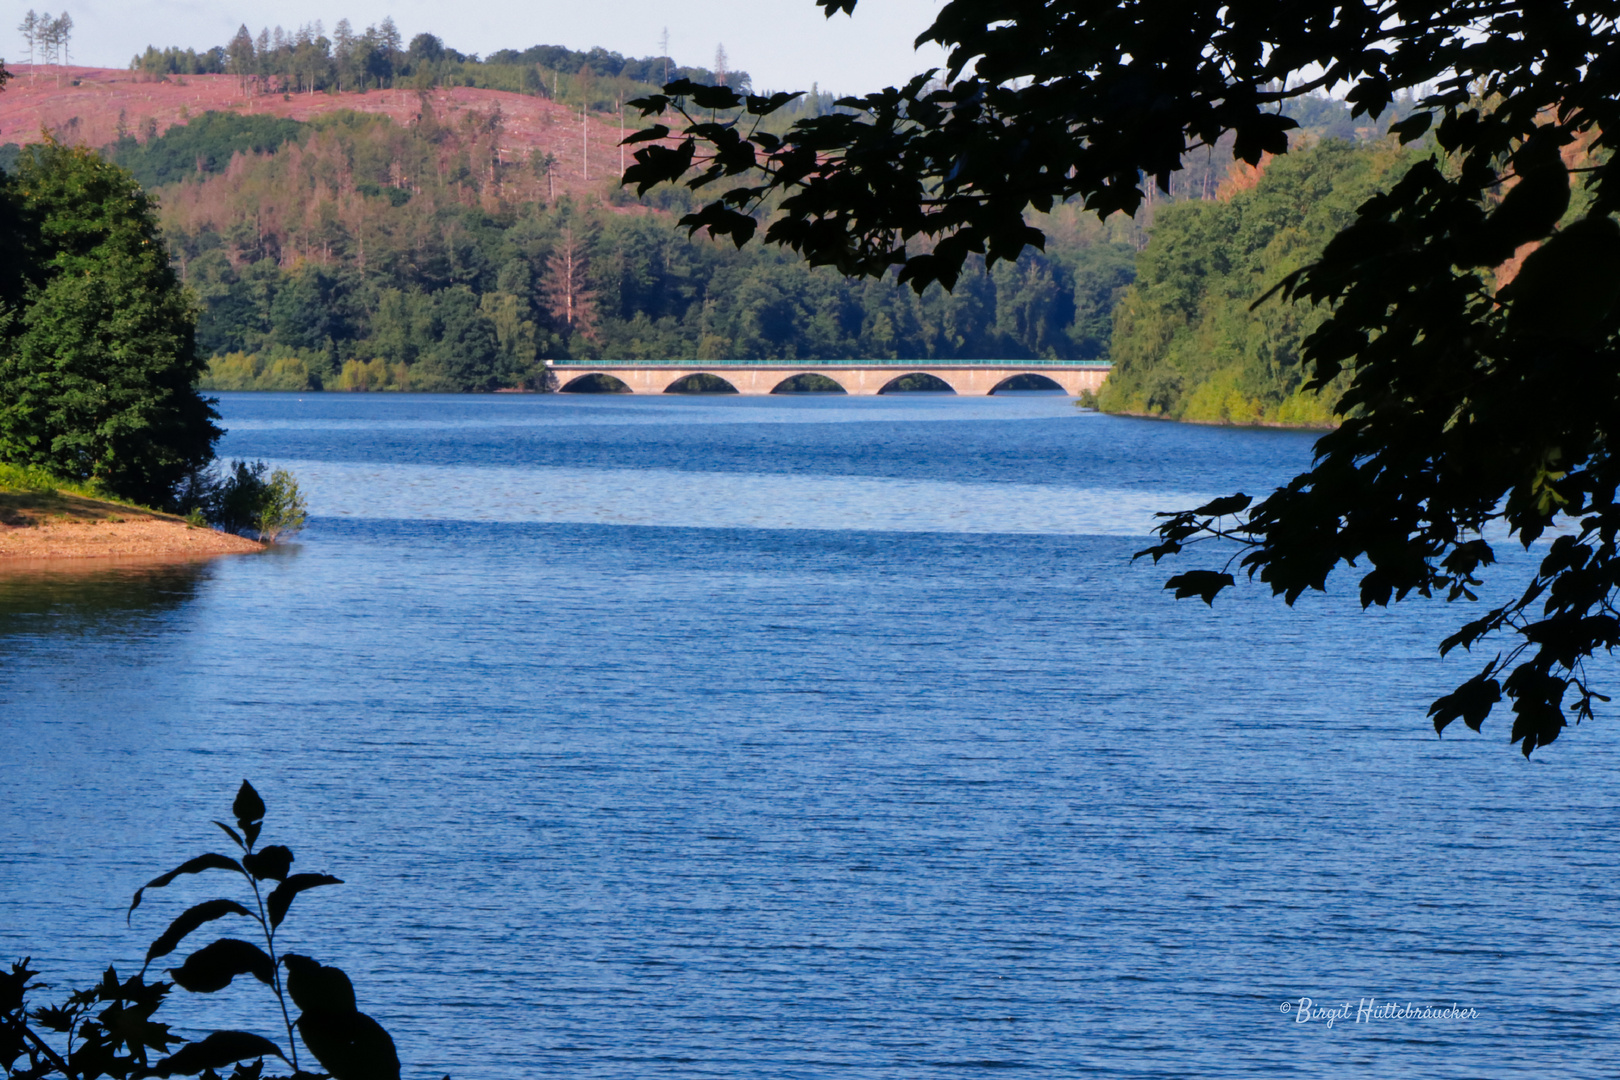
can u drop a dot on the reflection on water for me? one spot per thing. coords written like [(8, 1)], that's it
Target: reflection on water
[(79, 595)]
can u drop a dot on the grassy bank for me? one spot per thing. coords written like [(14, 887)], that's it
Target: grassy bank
[(31, 497)]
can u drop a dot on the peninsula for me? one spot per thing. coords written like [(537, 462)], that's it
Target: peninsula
[(59, 525)]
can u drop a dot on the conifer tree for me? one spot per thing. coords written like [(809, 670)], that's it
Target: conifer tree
[(240, 55), (97, 368), (568, 299)]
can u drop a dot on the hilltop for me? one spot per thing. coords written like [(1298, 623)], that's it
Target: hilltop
[(96, 106)]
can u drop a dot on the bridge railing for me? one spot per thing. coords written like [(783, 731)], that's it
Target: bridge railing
[(1028, 365)]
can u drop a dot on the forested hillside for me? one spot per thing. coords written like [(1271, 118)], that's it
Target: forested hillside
[(1186, 344), (343, 231), (359, 253)]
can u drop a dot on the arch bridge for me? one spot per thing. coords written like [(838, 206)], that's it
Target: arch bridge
[(861, 377)]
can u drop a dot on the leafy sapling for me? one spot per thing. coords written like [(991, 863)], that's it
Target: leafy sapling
[(117, 1041)]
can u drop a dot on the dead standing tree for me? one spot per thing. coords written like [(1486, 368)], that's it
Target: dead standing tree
[(56, 38), (30, 29), (568, 299)]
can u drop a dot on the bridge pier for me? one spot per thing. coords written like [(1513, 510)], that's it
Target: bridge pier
[(968, 380)]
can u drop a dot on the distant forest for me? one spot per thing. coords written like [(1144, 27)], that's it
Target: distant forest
[(1185, 343), (352, 252)]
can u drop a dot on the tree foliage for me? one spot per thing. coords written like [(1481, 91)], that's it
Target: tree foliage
[(204, 145), (97, 354), (244, 497), (1186, 343), (1472, 411)]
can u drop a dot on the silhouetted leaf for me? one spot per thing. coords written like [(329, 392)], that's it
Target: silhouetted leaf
[(1568, 287), (1470, 633), (712, 97), (248, 806), (659, 164), (1262, 133), (651, 104), (15, 984), (1230, 504), (1204, 584), (245, 1071), (249, 811), (283, 895), (190, 866), (1537, 707), (53, 1018), (350, 1046), (315, 987), (188, 921), (721, 222), (214, 1052), (213, 966), (126, 1019), (1413, 127), (760, 106), (232, 833), (1471, 702), (1159, 551), (653, 134), (269, 864)]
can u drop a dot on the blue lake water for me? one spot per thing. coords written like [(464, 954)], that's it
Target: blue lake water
[(697, 737)]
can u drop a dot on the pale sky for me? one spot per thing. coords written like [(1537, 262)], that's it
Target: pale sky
[(783, 44)]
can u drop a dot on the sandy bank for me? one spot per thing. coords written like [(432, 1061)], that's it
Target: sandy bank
[(40, 525)]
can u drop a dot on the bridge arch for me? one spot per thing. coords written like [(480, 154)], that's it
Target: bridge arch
[(1027, 380), (917, 382), (594, 382), (809, 382), (700, 382)]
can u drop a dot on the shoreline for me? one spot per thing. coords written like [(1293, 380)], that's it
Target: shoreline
[(1269, 425), (40, 527)]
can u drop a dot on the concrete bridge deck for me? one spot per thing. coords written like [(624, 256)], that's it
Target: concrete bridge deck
[(854, 377)]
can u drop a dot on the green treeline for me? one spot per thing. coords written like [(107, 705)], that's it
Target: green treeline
[(363, 254), (1185, 343), (307, 60)]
